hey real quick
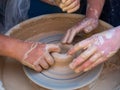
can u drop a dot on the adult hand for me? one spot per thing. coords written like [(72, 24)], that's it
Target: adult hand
[(36, 55), (86, 25), (97, 49)]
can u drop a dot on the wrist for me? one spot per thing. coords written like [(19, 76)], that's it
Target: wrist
[(12, 48), (91, 15), (9, 46), (113, 35), (22, 47)]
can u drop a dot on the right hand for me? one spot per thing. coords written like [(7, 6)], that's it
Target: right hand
[(37, 55), (69, 5), (86, 25), (97, 49)]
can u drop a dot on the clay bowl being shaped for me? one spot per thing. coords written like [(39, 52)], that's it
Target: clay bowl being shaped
[(61, 58), (51, 29)]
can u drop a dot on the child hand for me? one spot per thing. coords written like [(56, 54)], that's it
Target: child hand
[(70, 5)]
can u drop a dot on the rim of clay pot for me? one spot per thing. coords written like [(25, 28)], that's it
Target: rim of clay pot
[(50, 15)]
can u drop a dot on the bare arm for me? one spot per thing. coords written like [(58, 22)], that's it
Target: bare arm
[(32, 54), (8, 46), (89, 23), (94, 8)]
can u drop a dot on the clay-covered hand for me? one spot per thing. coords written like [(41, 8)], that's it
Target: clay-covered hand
[(86, 25), (97, 49), (37, 55), (69, 5)]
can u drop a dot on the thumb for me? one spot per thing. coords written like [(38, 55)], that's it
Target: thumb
[(53, 48)]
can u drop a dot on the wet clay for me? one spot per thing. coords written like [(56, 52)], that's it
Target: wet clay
[(13, 76), (60, 71), (62, 56)]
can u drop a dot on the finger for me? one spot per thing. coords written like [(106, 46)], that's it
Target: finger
[(68, 2), (72, 35), (71, 6), (37, 67), (43, 63), (94, 58), (99, 61), (74, 9), (61, 6), (63, 1), (49, 59), (67, 35), (76, 29), (53, 48), (88, 29), (83, 57), (81, 45)]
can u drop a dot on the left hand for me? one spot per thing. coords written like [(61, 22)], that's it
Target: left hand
[(70, 5), (97, 49)]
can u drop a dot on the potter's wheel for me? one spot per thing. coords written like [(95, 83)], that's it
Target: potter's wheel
[(61, 78), (12, 74)]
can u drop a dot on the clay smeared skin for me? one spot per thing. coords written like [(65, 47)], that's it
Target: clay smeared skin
[(99, 48), (32, 54), (38, 56), (27, 58), (94, 8), (89, 23)]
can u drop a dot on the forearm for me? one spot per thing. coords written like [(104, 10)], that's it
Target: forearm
[(8, 46), (94, 8)]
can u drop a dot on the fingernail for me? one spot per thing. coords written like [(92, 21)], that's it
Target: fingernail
[(78, 70), (63, 9), (87, 69), (71, 66)]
